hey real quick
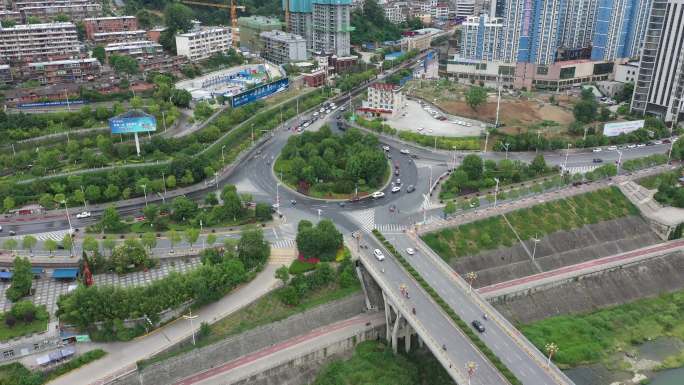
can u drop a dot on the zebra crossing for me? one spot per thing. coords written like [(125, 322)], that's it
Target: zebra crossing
[(391, 228), (581, 169), (428, 204), (364, 218), (436, 220), (283, 244), (54, 235)]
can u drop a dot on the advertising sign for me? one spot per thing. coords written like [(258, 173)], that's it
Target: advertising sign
[(259, 92), (132, 121), (51, 104), (615, 129)]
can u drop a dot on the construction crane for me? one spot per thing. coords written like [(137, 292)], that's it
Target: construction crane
[(233, 11)]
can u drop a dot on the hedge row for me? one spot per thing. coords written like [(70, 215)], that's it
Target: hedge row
[(474, 338)]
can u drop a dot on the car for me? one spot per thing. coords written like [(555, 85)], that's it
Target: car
[(0, 228), (316, 113), (612, 148), (478, 326), (410, 189), (378, 254), (396, 172), (598, 160), (328, 111), (12, 232), (420, 129), (386, 148), (322, 110), (469, 124), (396, 189), (657, 142), (632, 146), (650, 143), (333, 108), (410, 251), (597, 149), (404, 151), (378, 194), (342, 109), (85, 214), (667, 141), (414, 156), (306, 124), (398, 182), (640, 145)]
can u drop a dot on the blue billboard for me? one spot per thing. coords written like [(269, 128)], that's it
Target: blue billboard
[(51, 104), (259, 92), (132, 121)]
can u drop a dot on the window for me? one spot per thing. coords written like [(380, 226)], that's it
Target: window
[(567, 73), (542, 70)]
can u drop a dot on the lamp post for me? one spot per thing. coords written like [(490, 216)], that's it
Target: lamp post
[(223, 158), (470, 369), (506, 146), (191, 317), (619, 162), (551, 349), (496, 191), (484, 151), (85, 204), (144, 187), (534, 250), (565, 164), (471, 276), (66, 208), (164, 183)]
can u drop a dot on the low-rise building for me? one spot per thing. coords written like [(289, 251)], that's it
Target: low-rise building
[(62, 71), (5, 74), (100, 25), (12, 16), (627, 72), (282, 47), (396, 11), (251, 29), (384, 100), (201, 43), (420, 42), (104, 38), (47, 10), (39, 42), (155, 34), (162, 63), (136, 49), (315, 78)]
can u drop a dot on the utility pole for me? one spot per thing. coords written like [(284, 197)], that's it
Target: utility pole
[(506, 146), (534, 251), (498, 99), (484, 152), (144, 187), (191, 317), (496, 191), (565, 164)]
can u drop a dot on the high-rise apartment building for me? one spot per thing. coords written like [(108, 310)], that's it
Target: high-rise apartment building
[(578, 26), (331, 26), (38, 42), (481, 38), (251, 27), (532, 30), (659, 89), (619, 29), (299, 22)]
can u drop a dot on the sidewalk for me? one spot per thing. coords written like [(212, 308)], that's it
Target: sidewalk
[(122, 356)]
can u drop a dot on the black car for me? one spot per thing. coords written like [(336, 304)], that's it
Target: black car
[(478, 326), (598, 160)]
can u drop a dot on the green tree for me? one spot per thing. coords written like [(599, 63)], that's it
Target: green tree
[(202, 111), (129, 256), (151, 212), (110, 219), (191, 235), (183, 209), (283, 274), (10, 244), (28, 242), (99, 54), (211, 239), (585, 110), (472, 165), (174, 238), (90, 244), (68, 242), (50, 245), (450, 208), (538, 165), (181, 98), (22, 279), (475, 96), (253, 250), (262, 212), (8, 203), (109, 244), (124, 64), (149, 240)]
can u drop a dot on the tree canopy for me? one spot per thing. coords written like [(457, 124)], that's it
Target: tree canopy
[(321, 241)]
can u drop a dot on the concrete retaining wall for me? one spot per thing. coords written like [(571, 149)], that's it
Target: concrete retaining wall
[(184, 365), (559, 249), (591, 292)]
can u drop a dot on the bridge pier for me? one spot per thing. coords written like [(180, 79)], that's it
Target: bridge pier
[(407, 337), (397, 326)]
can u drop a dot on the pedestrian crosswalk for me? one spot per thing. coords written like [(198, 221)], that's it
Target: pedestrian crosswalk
[(581, 169), (391, 228), (54, 235), (283, 244), (428, 204), (364, 218), (436, 220)]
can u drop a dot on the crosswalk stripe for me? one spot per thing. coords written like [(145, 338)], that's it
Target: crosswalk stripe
[(391, 227), (54, 235), (283, 244), (581, 169), (364, 218), (428, 204)]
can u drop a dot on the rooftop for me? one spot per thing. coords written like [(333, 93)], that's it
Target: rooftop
[(20, 27), (108, 18), (59, 62)]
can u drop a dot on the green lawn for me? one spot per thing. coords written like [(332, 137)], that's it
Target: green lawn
[(652, 182), (592, 337), (267, 309), (21, 328), (17, 374), (546, 218), (374, 363)]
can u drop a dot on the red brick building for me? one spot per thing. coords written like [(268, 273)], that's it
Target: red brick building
[(99, 25)]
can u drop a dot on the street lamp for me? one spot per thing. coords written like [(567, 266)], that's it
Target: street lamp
[(191, 318), (471, 276), (496, 191), (534, 251), (164, 183), (471, 367), (506, 146), (144, 187), (223, 158), (484, 152), (565, 164), (619, 161), (85, 204), (551, 349)]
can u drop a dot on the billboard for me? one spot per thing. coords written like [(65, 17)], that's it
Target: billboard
[(132, 121), (50, 104), (615, 129), (259, 92)]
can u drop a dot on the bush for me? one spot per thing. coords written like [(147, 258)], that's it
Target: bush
[(299, 267)]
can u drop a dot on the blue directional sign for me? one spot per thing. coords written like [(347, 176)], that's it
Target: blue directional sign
[(259, 92)]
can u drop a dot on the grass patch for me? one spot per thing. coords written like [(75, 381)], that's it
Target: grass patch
[(16, 373), (265, 310), (546, 218), (21, 328), (299, 267), (592, 337)]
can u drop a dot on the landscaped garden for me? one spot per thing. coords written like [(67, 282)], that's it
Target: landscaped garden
[(324, 165), (533, 222)]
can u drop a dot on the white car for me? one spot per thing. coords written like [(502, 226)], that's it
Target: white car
[(612, 148), (342, 109), (386, 148), (378, 194), (322, 110), (316, 113), (378, 254), (631, 146), (333, 108), (462, 123), (469, 124), (85, 214), (640, 145), (328, 111), (306, 124), (404, 151), (410, 251), (657, 142), (597, 149), (396, 189)]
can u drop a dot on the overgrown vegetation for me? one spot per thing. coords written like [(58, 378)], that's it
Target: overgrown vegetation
[(23, 319), (325, 165), (22, 279), (533, 222), (591, 337), (462, 325), (320, 242), (17, 374), (371, 25)]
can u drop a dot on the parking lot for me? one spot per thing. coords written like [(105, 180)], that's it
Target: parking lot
[(419, 120)]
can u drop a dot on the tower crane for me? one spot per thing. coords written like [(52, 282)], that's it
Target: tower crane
[(232, 5)]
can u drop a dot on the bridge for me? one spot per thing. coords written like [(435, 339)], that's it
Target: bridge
[(435, 329)]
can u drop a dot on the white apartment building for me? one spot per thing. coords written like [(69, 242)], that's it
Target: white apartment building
[(481, 38), (203, 42), (39, 42), (331, 26), (396, 11), (384, 100), (281, 47)]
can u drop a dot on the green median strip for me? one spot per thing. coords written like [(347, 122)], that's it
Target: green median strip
[(474, 338)]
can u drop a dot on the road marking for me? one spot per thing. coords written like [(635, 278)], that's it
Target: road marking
[(275, 233)]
